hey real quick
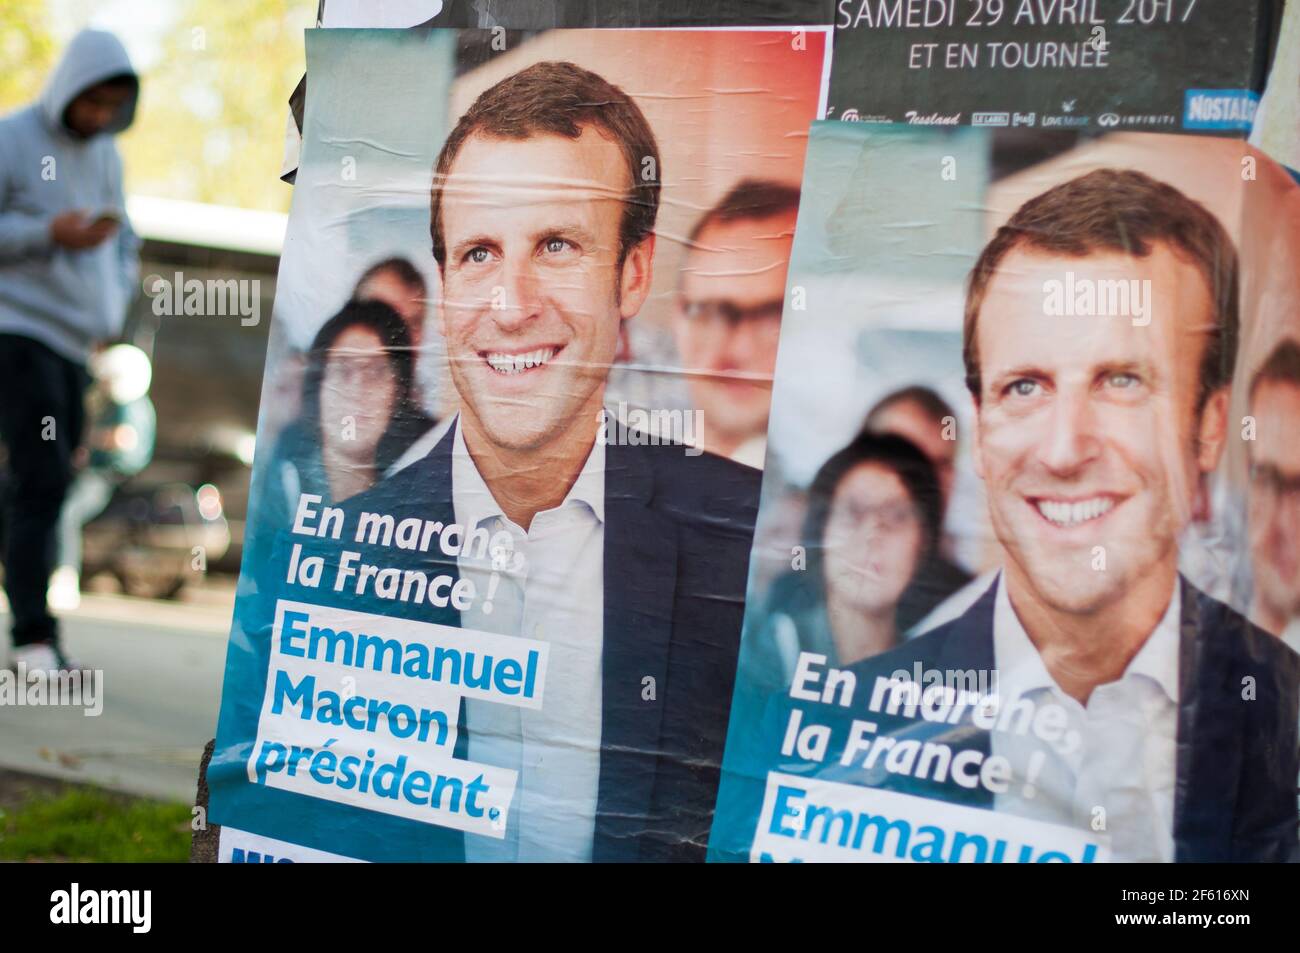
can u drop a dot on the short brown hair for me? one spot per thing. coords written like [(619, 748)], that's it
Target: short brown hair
[(749, 200), (561, 99), (927, 399), (1124, 211), (1282, 366), (400, 268)]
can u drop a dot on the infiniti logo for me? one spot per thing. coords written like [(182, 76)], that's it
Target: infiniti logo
[(1108, 119)]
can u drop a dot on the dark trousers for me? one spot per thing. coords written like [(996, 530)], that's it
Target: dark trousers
[(41, 418)]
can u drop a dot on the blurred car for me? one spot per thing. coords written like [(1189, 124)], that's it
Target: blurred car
[(155, 539)]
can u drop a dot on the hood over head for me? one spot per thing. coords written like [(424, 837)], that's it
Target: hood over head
[(92, 57)]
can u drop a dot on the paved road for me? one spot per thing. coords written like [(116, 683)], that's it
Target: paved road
[(162, 665)]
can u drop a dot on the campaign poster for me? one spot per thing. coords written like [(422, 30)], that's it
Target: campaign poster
[(491, 597), (1194, 66), (1026, 578)]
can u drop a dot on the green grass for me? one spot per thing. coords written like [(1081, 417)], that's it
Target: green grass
[(88, 824)]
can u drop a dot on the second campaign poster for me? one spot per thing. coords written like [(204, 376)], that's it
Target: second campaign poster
[(1025, 581)]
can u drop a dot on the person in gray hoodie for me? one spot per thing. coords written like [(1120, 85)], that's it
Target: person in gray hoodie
[(68, 270)]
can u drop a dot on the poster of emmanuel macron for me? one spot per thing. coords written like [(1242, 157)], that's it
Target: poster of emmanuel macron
[(502, 625), (1085, 696)]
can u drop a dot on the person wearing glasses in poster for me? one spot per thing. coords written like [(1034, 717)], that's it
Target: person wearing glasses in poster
[(728, 316), (1274, 404)]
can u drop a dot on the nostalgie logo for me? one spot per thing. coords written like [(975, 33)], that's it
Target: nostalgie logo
[(932, 119), (1220, 109), (990, 119)]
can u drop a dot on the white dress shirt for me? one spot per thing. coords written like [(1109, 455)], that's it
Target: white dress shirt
[(1117, 753), (752, 452), (1291, 635), (555, 594)]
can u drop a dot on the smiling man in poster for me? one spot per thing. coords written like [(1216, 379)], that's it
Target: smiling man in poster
[(1177, 717), (522, 645), (621, 558), (543, 212)]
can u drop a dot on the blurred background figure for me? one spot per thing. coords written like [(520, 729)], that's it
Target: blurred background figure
[(119, 444), (1274, 507), (357, 379), (398, 283), (728, 317), (873, 519), (68, 270), (923, 418)]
